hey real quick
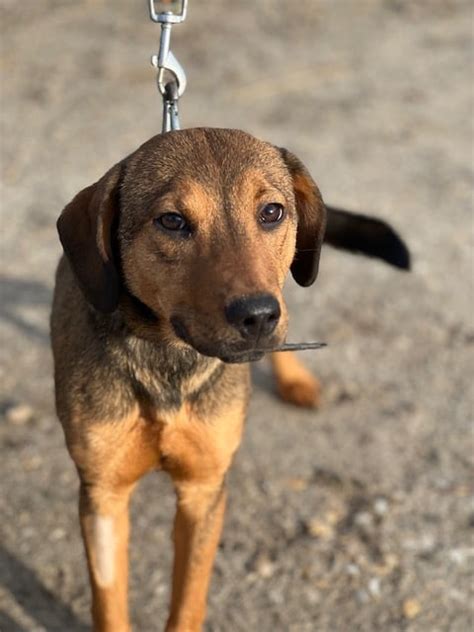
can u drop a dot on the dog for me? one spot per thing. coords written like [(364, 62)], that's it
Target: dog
[(171, 284)]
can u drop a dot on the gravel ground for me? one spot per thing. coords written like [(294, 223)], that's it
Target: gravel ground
[(358, 517)]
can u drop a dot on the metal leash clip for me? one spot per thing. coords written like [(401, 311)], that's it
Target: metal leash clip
[(167, 64)]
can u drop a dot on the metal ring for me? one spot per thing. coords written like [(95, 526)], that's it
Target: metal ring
[(167, 17)]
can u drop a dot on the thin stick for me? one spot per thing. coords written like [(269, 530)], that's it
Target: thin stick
[(301, 346)]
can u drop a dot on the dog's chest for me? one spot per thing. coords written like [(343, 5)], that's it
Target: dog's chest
[(165, 378), (189, 415)]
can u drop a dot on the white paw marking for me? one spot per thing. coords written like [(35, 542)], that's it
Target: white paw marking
[(103, 536)]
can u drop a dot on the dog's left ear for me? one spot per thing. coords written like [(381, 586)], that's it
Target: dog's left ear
[(85, 230), (311, 221)]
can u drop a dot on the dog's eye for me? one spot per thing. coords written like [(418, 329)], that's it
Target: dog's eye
[(172, 222), (271, 214)]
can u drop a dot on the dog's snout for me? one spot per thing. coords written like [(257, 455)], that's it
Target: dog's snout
[(254, 316)]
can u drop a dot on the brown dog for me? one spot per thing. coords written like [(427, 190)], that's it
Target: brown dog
[(172, 282)]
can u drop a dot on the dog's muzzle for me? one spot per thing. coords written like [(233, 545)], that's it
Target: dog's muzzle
[(253, 320)]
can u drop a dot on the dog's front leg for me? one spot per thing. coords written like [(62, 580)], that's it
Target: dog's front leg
[(197, 528), (105, 529), (294, 382)]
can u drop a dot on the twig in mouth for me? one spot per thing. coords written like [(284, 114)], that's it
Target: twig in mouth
[(301, 346)]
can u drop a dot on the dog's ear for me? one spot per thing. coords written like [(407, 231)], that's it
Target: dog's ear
[(85, 231), (311, 221)]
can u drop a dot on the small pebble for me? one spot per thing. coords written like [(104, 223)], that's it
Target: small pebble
[(57, 534), (297, 484), (353, 569), (380, 506), (265, 568), (374, 587), (313, 597), (332, 517), (390, 562), (461, 555), (161, 589), (425, 544), (319, 529), (19, 414), (322, 584), (32, 462), (411, 608), (363, 519)]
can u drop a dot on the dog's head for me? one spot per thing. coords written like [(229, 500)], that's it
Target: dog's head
[(192, 236)]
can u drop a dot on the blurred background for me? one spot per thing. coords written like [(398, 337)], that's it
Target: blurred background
[(359, 516)]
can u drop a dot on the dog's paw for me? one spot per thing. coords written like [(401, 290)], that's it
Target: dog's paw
[(303, 391)]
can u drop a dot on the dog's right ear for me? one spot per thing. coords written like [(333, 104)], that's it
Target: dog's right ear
[(85, 231)]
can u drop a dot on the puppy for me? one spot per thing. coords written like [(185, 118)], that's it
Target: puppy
[(170, 285)]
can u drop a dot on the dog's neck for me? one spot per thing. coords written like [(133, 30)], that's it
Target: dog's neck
[(161, 372), (166, 375)]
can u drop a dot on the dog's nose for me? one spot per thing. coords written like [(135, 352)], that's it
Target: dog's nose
[(254, 316)]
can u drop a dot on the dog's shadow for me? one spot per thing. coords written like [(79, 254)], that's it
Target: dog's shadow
[(262, 378), (17, 294), (34, 598)]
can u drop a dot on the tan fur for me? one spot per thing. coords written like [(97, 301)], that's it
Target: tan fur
[(295, 384)]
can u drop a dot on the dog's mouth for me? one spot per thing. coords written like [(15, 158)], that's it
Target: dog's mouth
[(231, 353), (246, 356)]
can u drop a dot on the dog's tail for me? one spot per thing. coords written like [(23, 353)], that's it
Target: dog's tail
[(367, 236)]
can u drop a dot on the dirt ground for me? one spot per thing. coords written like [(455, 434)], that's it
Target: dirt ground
[(358, 517)]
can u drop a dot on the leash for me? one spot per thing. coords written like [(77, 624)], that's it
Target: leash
[(171, 82), (171, 78)]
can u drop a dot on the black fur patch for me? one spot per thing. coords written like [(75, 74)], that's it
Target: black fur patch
[(366, 235)]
